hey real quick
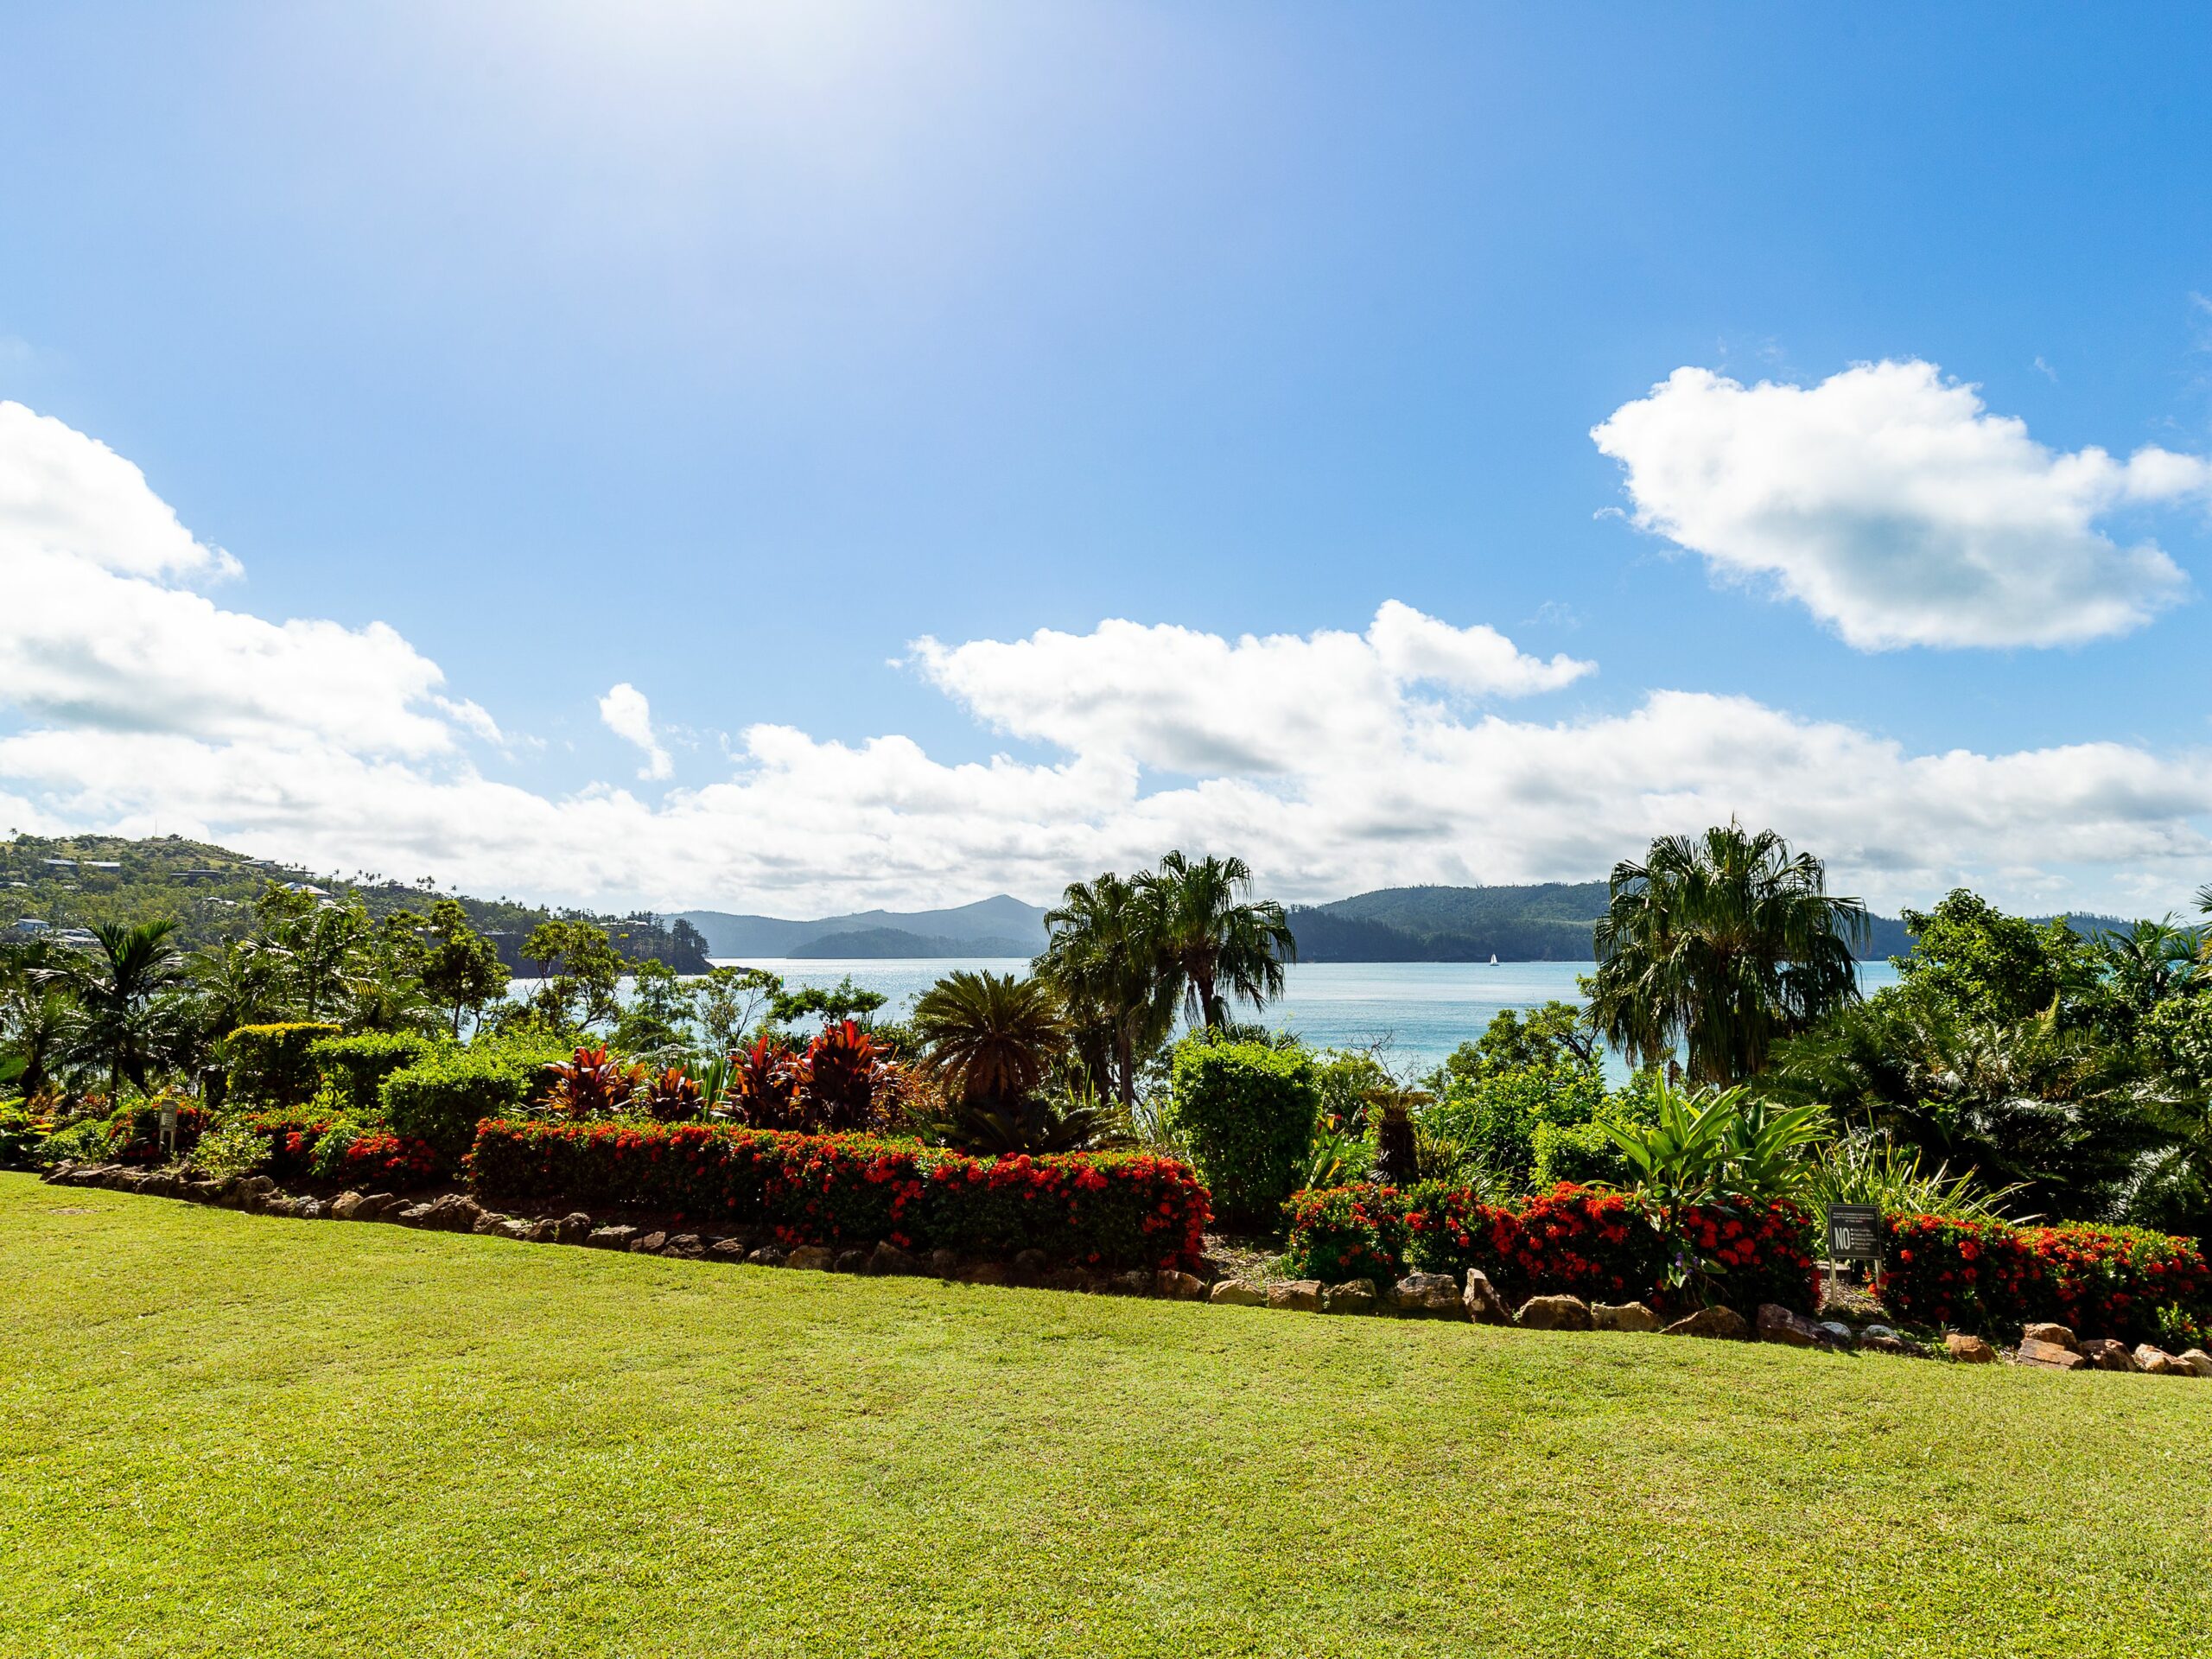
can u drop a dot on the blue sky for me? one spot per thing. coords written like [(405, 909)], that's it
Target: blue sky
[(722, 355)]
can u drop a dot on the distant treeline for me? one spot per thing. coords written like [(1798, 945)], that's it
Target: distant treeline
[(1550, 921), (209, 891)]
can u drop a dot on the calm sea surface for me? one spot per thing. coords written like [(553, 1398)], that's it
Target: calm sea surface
[(1419, 1011)]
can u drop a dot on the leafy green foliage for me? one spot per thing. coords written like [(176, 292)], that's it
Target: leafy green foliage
[(440, 1098), (1577, 1155), (274, 1065), (354, 1068), (1978, 964), (1247, 1112), (1711, 1145), (230, 1150)]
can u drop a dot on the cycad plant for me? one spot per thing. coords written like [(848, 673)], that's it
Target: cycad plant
[(989, 1036)]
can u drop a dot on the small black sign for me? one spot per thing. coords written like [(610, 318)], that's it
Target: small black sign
[(1854, 1232)]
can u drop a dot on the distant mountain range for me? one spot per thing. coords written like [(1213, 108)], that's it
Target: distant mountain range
[(1002, 926), (75, 881), (1550, 921)]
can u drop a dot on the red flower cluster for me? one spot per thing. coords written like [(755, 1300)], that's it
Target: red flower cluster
[(387, 1159), (1572, 1241), (392, 1161), (1121, 1209), (2102, 1281), (1575, 1241), (1347, 1232)]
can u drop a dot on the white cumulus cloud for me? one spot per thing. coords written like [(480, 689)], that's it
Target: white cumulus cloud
[(1896, 508), (629, 717), (97, 633), (1184, 700), (1334, 761)]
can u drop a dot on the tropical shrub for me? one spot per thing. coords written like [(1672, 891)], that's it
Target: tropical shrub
[(270, 1065), (1709, 1144), (82, 1143), (289, 1138), (763, 1086), (442, 1097), (592, 1083), (1988, 1275), (354, 1068), (671, 1095), (21, 1135), (847, 1080), (1575, 1154), (1117, 1209), (230, 1150), (1346, 1232), (1489, 1118), (302, 1147), (1247, 1112)]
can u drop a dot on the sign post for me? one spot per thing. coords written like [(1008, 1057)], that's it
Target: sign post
[(169, 1128), (1854, 1235)]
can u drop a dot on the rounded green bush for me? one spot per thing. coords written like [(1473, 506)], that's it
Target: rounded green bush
[(1247, 1111), (442, 1097)]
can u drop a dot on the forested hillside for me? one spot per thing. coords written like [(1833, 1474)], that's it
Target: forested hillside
[(80, 881)]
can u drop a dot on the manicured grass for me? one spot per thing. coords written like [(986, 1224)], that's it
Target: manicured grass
[(222, 1434)]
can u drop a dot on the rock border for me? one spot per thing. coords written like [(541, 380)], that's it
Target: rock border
[(1416, 1296)]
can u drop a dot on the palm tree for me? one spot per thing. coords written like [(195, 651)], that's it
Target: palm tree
[(2150, 962), (40, 1024), (1721, 944), (237, 985), (126, 1029), (990, 1036), (1104, 960), (1211, 938)]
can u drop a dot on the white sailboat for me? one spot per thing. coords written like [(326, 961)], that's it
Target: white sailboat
[(1493, 959)]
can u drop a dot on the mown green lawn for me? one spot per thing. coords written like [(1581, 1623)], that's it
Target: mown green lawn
[(229, 1434)]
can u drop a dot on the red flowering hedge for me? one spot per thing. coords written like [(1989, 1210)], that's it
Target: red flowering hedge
[(390, 1161), (1112, 1208), (1347, 1232), (2100, 1281), (1577, 1241)]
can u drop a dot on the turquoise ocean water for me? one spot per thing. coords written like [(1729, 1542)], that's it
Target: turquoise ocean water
[(1418, 1011)]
